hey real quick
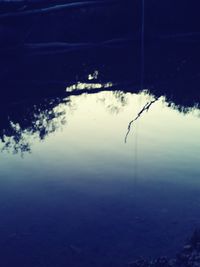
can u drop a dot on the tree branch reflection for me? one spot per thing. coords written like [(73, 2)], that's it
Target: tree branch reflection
[(145, 108)]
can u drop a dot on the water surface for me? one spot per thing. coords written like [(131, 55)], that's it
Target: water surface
[(79, 195), (99, 132)]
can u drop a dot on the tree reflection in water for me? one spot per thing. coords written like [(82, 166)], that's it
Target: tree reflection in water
[(35, 121), (22, 124)]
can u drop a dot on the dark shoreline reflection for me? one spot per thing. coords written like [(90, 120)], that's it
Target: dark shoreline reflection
[(173, 74), (171, 69)]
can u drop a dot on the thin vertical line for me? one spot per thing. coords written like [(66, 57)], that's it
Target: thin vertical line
[(142, 44), (141, 84)]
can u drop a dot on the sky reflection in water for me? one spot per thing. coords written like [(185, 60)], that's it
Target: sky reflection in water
[(72, 191), (82, 196)]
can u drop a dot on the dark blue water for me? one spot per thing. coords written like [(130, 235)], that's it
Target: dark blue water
[(99, 163)]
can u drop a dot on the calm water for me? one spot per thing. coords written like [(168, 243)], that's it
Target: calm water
[(99, 150), (80, 196)]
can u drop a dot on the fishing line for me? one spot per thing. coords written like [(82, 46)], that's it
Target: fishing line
[(142, 45)]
